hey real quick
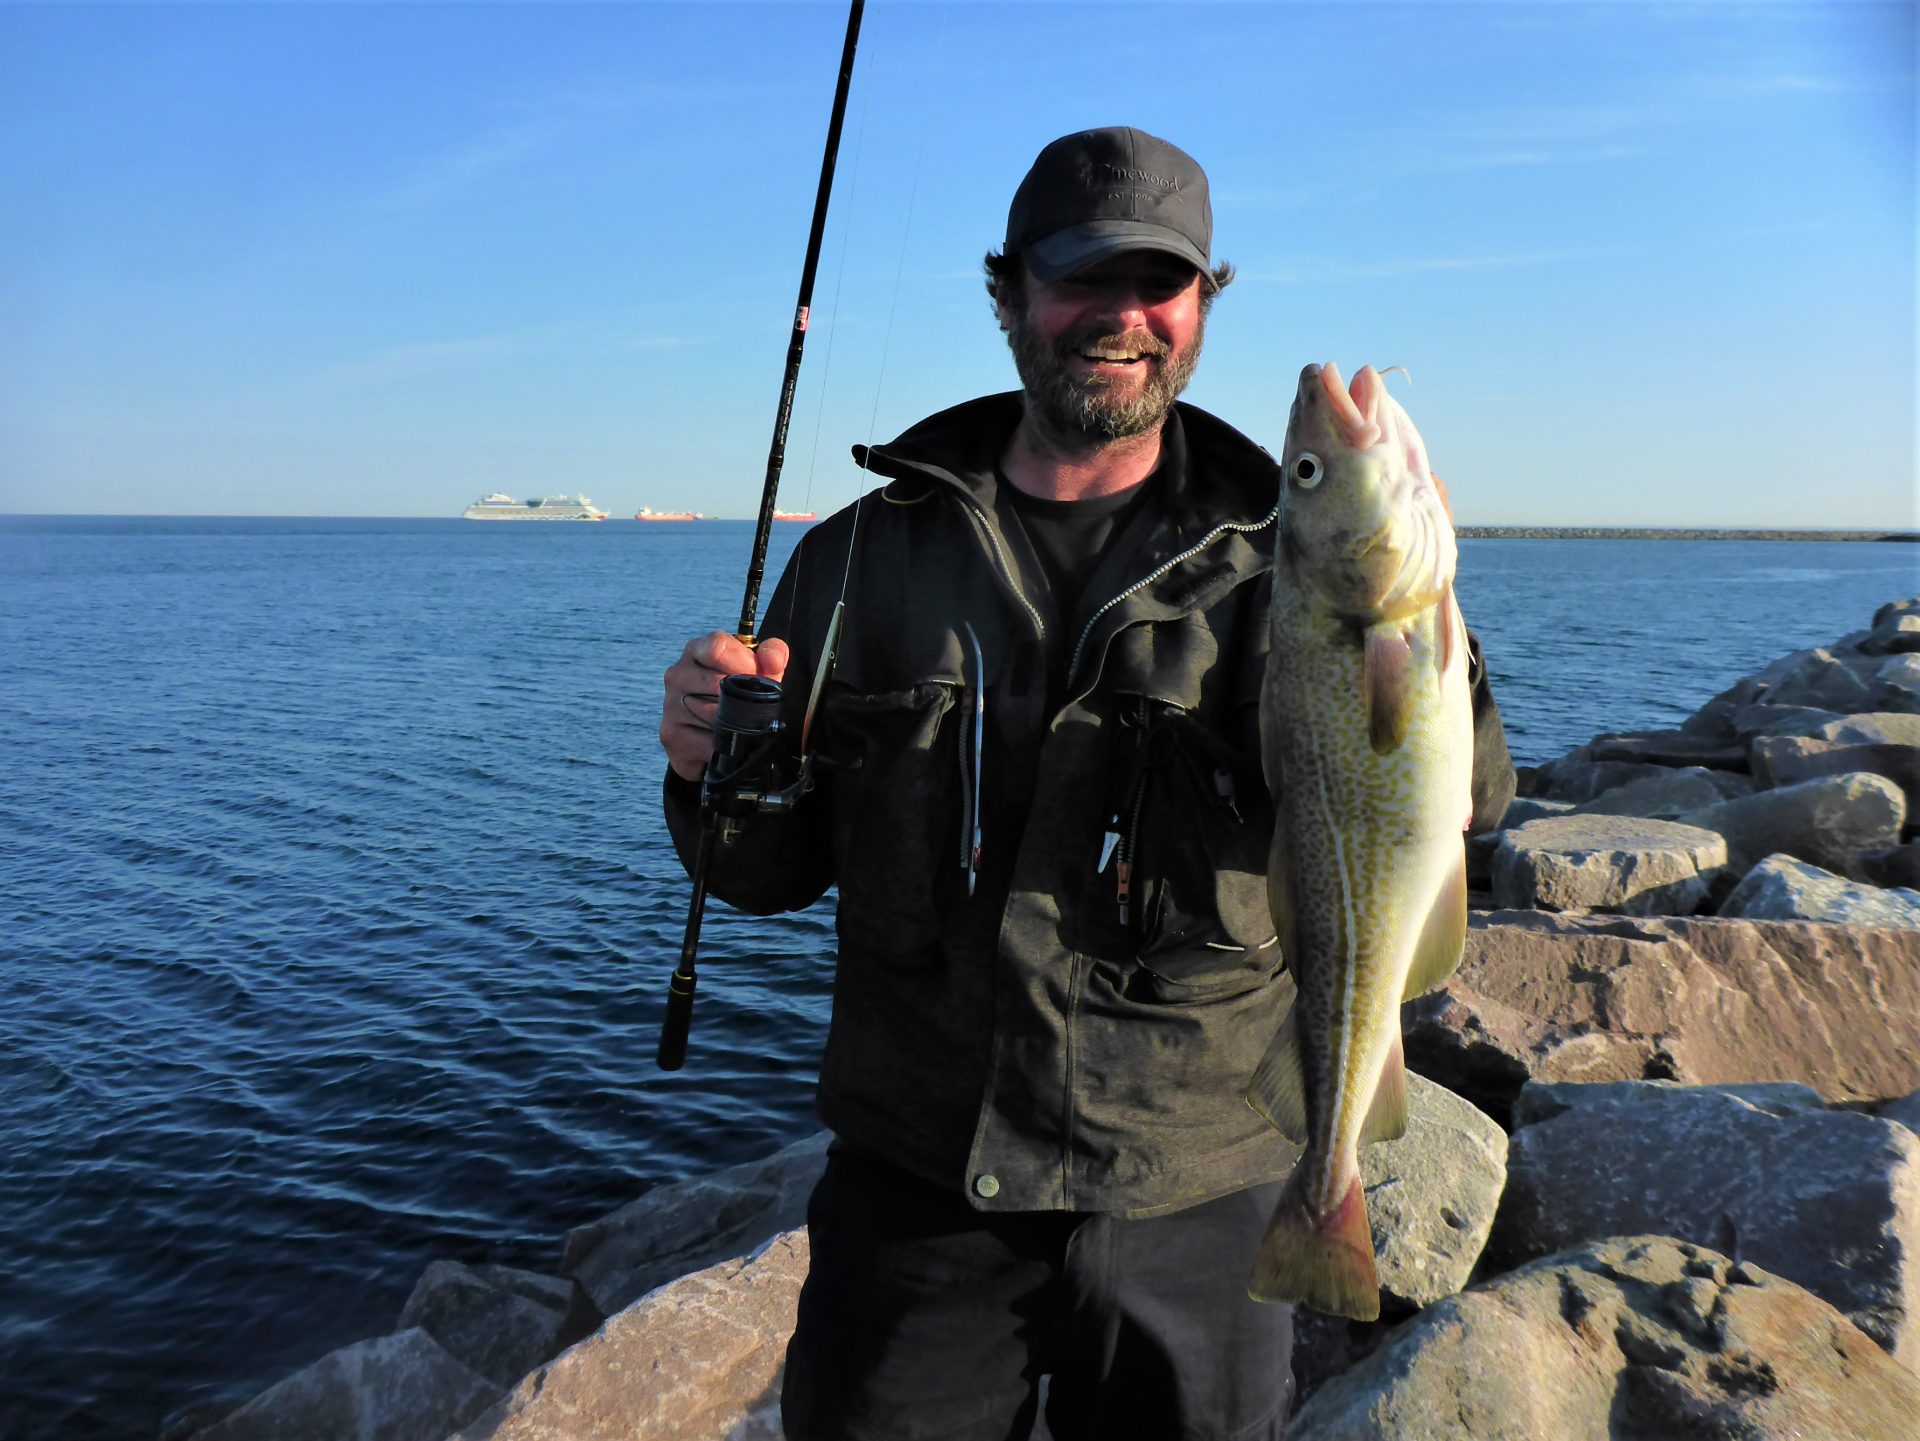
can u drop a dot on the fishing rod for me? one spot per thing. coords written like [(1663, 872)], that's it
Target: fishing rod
[(741, 777)]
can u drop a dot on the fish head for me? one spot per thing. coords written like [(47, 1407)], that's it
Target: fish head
[(1361, 515)]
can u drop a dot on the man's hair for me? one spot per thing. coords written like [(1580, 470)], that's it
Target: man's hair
[(1007, 281)]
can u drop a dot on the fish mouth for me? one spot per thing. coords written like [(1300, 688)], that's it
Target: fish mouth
[(1355, 410)]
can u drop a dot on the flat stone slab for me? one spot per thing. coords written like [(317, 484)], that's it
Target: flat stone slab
[(1782, 888), (1827, 1199), (1622, 863), (1670, 748), (1786, 760), (1700, 1000), (1874, 728), (1631, 1339)]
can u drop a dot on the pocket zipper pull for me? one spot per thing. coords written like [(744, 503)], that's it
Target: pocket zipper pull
[(1125, 888), (1223, 787)]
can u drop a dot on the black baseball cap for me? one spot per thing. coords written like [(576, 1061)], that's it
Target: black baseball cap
[(1102, 192)]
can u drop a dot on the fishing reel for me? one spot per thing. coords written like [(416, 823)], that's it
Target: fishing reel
[(746, 775)]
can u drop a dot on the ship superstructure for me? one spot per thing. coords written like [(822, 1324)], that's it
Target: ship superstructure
[(553, 507)]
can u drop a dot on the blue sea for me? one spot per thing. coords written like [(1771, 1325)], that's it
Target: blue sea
[(336, 911)]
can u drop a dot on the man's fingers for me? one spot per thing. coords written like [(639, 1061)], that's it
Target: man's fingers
[(771, 657)]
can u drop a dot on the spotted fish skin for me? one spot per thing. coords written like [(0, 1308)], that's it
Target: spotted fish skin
[(1367, 740)]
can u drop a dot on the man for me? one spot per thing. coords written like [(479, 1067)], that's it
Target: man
[(1039, 793)]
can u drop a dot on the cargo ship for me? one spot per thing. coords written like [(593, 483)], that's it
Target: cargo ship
[(794, 515), (553, 507), (648, 513)]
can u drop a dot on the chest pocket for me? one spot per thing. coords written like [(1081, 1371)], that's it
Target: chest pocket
[(1198, 825), (897, 758)]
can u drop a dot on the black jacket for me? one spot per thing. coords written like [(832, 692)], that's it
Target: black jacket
[(1024, 1040)]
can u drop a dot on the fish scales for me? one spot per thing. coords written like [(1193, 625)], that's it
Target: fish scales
[(1366, 728)]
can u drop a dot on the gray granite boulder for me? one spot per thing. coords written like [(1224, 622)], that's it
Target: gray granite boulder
[(1577, 777), (1787, 760), (1670, 748), (699, 1357), (1832, 821), (1827, 1199), (1611, 998), (1781, 888), (1781, 720), (1896, 684), (680, 1228), (1659, 797), (1631, 1339), (498, 1321), (403, 1387), (1824, 679), (1619, 863), (1906, 1111), (1431, 1195), (1893, 634), (1880, 727)]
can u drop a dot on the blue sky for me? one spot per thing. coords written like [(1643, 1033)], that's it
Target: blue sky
[(1646, 264)]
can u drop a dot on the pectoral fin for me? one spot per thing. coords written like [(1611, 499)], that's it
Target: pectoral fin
[(1390, 687), (1436, 955)]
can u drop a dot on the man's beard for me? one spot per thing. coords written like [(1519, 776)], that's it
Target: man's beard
[(1089, 408)]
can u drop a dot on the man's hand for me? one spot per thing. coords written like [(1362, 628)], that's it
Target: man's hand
[(693, 689)]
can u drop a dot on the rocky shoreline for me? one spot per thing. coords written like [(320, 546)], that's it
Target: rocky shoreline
[(1619, 532), (1663, 1145)]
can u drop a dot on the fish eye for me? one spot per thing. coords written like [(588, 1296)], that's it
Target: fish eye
[(1306, 470)]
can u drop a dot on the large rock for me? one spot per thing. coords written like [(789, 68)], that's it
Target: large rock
[(1621, 863), (1787, 760), (1671, 748), (403, 1387), (1832, 822), (500, 1322), (675, 1229), (1614, 998), (698, 1358), (1663, 797), (1822, 678), (1577, 777), (1760, 719), (1896, 684), (1827, 1199), (1880, 727), (1781, 888), (1893, 633), (1898, 866), (1431, 1195), (1634, 1339)]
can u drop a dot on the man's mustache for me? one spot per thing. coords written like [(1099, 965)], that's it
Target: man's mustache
[(1134, 342)]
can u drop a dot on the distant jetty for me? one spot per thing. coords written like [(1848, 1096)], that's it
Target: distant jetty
[(1625, 532)]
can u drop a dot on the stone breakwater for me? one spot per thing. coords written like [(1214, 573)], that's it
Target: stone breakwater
[(1662, 1176)]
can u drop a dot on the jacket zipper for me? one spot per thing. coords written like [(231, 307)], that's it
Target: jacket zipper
[(1122, 840), (1141, 584)]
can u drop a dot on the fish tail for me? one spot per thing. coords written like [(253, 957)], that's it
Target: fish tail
[(1324, 1262)]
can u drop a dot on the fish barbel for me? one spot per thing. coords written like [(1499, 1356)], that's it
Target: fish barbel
[(1366, 732)]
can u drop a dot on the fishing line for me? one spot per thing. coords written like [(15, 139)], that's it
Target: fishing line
[(839, 280), (906, 232)]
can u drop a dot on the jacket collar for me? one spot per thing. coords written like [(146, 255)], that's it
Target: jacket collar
[(1210, 472)]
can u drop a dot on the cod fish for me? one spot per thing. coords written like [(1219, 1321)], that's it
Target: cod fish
[(1366, 732)]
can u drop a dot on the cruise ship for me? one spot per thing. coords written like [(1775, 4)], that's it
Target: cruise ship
[(554, 507)]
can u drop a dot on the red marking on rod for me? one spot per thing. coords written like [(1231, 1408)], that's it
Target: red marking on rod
[(800, 318)]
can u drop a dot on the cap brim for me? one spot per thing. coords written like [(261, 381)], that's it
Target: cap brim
[(1056, 256)]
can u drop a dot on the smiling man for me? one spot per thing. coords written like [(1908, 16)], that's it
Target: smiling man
[(1039, 795)]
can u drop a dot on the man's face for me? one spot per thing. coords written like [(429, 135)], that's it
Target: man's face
[(1105, 352)]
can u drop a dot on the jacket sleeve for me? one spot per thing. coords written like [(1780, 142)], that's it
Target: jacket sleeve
[(776, 862), (1493, 778)]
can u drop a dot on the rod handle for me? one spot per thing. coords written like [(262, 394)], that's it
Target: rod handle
[(672, 1054)]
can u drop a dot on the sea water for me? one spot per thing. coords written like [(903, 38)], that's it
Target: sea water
[(336, 910)]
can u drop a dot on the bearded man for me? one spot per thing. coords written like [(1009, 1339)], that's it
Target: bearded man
[(1039, 794)]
